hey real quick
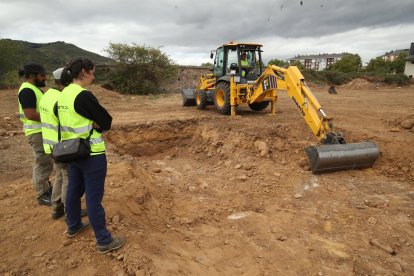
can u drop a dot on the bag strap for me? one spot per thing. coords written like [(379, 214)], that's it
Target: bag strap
[(59, 134), (90, 134)]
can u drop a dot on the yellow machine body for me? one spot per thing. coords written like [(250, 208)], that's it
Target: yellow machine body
[(227, 88)]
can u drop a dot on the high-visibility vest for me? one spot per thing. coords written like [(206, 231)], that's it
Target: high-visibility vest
[(49, 121), (72, 124), (244, 64), (29, 126)]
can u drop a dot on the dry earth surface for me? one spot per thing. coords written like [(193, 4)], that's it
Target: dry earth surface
[(197, 193)]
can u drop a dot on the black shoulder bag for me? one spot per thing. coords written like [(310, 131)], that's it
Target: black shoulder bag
[(71, 150)]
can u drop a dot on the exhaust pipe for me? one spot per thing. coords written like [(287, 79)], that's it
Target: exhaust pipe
[(337, 157)]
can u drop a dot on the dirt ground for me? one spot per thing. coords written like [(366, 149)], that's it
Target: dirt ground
[(197, 193)]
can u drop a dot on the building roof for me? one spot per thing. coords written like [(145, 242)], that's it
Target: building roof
[(319, 56), (395, 53)]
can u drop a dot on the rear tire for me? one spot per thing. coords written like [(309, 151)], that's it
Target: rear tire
[(258, 106), (222, 98), (201, 99)]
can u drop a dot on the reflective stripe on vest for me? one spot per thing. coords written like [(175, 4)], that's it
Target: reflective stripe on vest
[(74, 125), (49, 120), (49, 142), (96, 140), (29, 126), (78, 130), (50, 126)]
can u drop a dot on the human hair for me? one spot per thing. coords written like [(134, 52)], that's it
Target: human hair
[(31, 69), (74, 70)]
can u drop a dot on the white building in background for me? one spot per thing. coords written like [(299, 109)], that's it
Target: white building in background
[(317, 62), (391, 56), (409, 62)]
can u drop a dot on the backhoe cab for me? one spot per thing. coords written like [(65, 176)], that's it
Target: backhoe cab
[(239, 60), (239, 77), (234, 63)]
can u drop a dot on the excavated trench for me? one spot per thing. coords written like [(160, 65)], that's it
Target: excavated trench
[(151, 139), (222, 139)]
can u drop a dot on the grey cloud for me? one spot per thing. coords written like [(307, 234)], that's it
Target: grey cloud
[(196, 26)]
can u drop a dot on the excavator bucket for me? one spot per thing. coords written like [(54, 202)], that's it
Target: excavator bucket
[(188, 98), (329, 158)]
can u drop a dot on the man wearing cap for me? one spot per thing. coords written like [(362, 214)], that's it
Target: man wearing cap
[(29, 97), (50, 124)]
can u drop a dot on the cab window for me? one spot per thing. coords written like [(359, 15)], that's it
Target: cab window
[(232, 60), (219, 62)]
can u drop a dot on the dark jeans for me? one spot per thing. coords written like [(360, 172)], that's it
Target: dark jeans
[(88, 176)]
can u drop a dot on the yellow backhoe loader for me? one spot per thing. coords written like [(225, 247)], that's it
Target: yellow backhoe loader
[(239, 77)]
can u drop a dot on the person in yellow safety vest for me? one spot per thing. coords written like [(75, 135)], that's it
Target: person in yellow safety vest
[(50, 125), (81, 116), (29, 96), (244, 64)]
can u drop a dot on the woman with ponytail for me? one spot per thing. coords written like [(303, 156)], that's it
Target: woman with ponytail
[(81, 116)]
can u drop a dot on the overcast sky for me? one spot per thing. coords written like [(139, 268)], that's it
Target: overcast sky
[(188, 30)]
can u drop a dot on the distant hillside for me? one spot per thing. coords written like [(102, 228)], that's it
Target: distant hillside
[(15, 53)]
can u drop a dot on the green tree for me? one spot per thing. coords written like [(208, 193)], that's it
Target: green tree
[(377, 65), (381, 66), (207, 64), (10, 80), (10, 52), (348, 63), (141, 69), (277, 62), (398, 65), (298, 64)]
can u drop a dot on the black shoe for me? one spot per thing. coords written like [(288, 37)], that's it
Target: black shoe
[(84, 213), (58, 213), (44, 200), (85, 225), (116, 243)]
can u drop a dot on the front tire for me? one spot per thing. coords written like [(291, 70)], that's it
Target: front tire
[(201, 99), (222, 98)]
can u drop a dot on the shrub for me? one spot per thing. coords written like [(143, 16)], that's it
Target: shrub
[(140, 69), (10, 80), (336, 77), (314, 76), (278, 62), (399, 79)]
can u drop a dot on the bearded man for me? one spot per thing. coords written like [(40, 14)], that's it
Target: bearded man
[(29, 96)]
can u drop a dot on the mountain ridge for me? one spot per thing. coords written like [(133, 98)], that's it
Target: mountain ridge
[(52, 55)]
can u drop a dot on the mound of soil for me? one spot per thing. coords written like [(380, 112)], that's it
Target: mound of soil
[(360, 84)]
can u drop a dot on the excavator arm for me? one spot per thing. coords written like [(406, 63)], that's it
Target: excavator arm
[(333, 153), (312, 112)]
